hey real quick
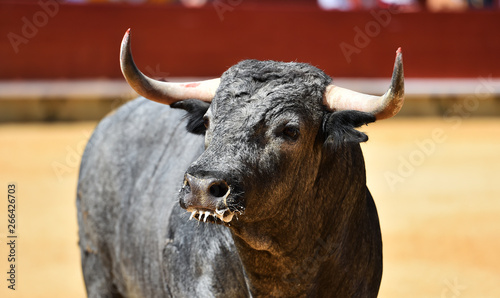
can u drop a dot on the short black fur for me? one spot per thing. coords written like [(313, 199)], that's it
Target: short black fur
[(304, 223)]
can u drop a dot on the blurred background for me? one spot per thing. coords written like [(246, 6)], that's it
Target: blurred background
[(432, 169)]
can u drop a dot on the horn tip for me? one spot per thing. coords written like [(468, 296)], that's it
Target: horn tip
[(126, 38), (398, 63), (127, 34), (399, 55)]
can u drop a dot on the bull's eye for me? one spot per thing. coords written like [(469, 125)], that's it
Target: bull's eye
[(206, 122), (291, 132)]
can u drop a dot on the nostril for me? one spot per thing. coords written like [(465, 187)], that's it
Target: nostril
[(186, 187), (219, 189)]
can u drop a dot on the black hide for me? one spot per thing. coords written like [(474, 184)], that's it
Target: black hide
[(287, 176)]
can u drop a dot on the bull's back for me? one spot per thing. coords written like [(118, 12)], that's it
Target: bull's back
[(134, 238)]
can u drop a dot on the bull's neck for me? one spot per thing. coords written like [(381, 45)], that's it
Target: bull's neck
[(283, 256)]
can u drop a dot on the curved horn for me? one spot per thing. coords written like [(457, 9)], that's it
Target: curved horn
[(162, 92), (383, 107)]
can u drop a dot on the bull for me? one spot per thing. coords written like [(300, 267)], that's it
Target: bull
[(273, 199)]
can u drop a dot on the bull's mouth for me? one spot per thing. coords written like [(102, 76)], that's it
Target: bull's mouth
[(218, 216)]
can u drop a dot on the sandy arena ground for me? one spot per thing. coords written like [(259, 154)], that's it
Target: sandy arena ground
[(435, 182)]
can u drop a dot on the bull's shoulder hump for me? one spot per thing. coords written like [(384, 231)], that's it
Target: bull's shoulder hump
[(137, 131), (139, 118)]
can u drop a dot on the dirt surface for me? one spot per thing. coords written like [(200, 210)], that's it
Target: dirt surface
[(435, 182)]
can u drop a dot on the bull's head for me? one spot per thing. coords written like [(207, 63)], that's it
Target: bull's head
[(268, 127)]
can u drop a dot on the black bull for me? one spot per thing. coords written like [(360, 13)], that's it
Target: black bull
[(280, 178)]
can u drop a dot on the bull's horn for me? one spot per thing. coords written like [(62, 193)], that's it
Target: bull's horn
[(383, 107), (162, 92)]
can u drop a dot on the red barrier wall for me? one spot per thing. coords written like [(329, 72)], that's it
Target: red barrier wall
[(83, 41)]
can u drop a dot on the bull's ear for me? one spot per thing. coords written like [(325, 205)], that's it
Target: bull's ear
[(340, 127), (196, 110)]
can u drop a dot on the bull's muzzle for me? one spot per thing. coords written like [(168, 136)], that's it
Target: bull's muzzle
[(206, 198)]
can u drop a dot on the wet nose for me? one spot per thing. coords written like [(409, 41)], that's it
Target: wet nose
[(211, 188)]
